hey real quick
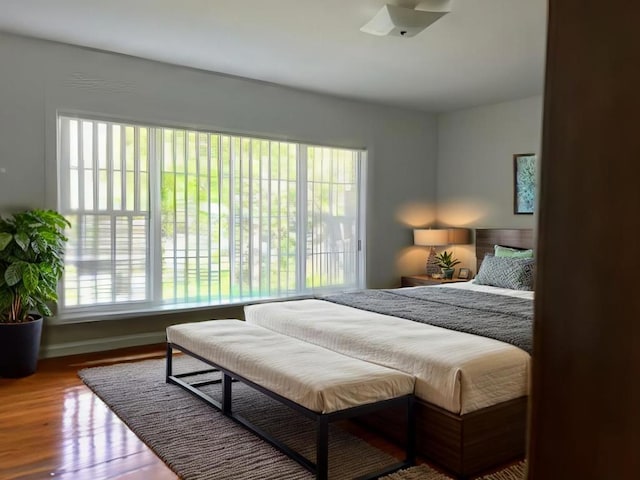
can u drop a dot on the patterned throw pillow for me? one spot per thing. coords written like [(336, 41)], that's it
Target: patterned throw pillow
[(505, 272)]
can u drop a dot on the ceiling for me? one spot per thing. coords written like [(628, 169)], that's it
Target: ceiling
[(484, 51)]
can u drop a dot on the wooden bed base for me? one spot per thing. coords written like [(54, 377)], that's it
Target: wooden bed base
[(464, 445)]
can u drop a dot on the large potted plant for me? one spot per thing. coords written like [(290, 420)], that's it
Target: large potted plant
[(31, 263), (446, 262)]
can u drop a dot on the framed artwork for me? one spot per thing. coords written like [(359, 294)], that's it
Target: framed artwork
[(464, 273), (524, 183)]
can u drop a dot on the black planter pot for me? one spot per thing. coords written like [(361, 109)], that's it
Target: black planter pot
[(19, 348)]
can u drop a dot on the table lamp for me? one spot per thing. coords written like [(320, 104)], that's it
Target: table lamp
[(459, 236), (431, 237)]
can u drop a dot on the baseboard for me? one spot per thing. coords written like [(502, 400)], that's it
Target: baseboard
[(101, 344)]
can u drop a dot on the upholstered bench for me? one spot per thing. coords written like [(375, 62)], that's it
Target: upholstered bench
[(319, 383)]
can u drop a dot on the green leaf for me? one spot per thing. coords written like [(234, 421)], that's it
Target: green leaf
[(13, 274), (5, 239), (43, 309), (23, 240), (446, 260), (30, 277), (42, 245), (35, 247)]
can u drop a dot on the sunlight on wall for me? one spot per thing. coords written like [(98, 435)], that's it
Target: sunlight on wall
[(416, 214), (462, 212)]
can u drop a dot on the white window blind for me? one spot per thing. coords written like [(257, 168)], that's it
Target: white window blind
[(169, 216)]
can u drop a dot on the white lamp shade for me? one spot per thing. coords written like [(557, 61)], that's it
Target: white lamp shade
[(430, 237)]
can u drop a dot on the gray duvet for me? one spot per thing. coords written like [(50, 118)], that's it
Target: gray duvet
[(499, 317)]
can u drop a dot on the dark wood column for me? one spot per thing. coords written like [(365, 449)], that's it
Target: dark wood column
[(585, 410)]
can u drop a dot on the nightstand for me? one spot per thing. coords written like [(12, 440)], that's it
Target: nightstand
[(421, 280)]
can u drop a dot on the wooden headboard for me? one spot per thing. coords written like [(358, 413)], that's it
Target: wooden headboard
[(486, 238)]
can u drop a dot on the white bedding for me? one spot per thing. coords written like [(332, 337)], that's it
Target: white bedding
[(487, 289), (457, 371)]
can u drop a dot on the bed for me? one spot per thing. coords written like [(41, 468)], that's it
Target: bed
[(471, 391)]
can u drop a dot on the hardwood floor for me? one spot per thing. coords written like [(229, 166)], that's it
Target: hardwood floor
[(52, 426)]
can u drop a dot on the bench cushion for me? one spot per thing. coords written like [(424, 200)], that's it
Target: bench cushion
[(317, 378)]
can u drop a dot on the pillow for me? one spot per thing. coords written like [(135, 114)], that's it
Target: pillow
[(505, 272), (508, 252)]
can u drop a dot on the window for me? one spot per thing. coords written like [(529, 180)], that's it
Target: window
[(176, 217)]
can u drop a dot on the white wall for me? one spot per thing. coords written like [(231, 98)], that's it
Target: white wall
[(38, 78), (475, 165)]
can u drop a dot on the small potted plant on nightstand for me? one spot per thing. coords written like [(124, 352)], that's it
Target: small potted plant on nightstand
[(446, 262), (31, 263)]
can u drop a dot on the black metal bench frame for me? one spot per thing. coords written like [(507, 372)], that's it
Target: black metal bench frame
[(322, 420)]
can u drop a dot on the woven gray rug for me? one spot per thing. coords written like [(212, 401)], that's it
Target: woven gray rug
[(424, 472), (199, 443)]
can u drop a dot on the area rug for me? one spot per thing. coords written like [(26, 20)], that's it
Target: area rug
[(199, 443), (425, 472)]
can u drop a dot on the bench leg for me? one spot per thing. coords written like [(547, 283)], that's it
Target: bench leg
[(321, 466), (322, 448), (169, 370), (226, 394)]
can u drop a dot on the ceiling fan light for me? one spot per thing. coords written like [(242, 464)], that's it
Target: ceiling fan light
[(400, 21)]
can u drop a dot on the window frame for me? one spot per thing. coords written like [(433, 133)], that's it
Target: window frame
[(151, 306)]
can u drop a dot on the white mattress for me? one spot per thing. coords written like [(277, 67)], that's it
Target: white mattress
[(457, 371)]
